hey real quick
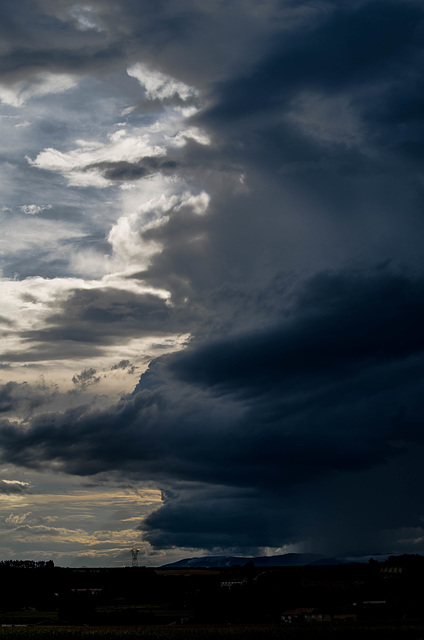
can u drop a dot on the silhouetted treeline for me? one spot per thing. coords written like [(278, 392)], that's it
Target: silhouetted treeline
[(27, 564)]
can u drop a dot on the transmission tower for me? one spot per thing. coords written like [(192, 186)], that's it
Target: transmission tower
[(134, 554)]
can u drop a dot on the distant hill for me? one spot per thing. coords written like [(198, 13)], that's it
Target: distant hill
[(285, 560)]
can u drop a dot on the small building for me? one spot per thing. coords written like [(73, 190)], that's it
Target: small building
[(233, 582), (313, 615), (298, 615)]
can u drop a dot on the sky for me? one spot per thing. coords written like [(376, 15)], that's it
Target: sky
[(212, 283)]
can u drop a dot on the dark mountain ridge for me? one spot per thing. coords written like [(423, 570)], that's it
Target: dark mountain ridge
[(285, 560)]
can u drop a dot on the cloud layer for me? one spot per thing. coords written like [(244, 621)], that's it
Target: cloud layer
[(247, 425), (212, 266)]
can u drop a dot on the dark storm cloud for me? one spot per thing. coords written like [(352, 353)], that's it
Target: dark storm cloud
[(127, 171), (366, 54), (89, 320), (179, 37), (34, 41), (324, 332), (331, 396), (319, 193), (354, 46), (257, 48), (219, 518), (18, 66), (22, 398), (297, 409), (63, 349), (191, 41)]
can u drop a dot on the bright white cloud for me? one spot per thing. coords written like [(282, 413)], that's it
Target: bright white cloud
[(84, 16), (75, 164), (41, 84), (82, 166), (196, 134), (159, 85), (129, 247), (17, 483), (199, 203), (127, 111)]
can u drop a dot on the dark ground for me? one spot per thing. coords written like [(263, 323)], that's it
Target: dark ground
[(384, 599)]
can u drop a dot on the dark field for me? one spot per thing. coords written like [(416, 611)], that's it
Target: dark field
[(230, 632), (383, 601)]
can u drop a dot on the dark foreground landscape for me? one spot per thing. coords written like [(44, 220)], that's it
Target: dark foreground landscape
[(378, 599), (216, 632)]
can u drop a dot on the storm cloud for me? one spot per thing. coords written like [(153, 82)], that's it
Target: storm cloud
[(228, 201), (246, 425)]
